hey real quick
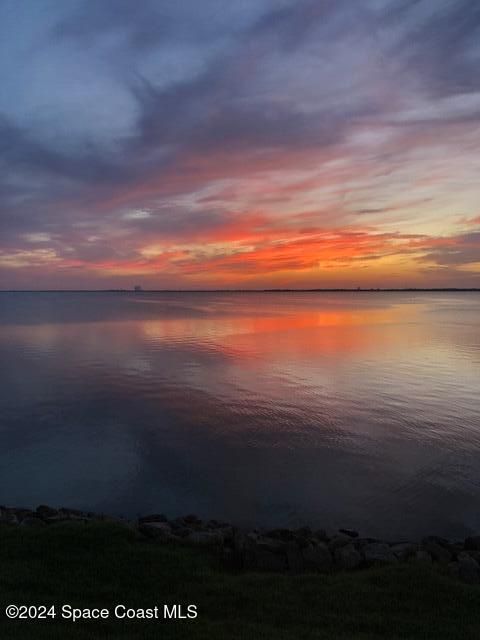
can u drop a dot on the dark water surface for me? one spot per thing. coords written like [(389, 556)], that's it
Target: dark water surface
[(330, 409)]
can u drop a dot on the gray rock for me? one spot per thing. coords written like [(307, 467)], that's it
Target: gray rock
[(303, 537), (160, 531), (362, 542), (303, 532), (404, 550), (103, 517), (227, 533), (472, 543), (443, 542), (339, 540), (466, 558), (252, 536), (78, 513), (474, 554), (347, 557), (239, 542), (8, 517), (24, 513), (285, 535), (317, 557), (75, 518), (321, 534), (44, 511), (379, 553), (468, 569), (269, 544), (438, 552), (154, 517)]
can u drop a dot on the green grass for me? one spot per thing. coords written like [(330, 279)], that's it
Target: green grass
[(101, 565)]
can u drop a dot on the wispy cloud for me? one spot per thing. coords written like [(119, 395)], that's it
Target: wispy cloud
[(254, 142)]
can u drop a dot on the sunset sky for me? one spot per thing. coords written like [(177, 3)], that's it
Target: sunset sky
[(239, 143)]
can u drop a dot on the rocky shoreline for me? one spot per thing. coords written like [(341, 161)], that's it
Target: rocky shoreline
[(283, 550)]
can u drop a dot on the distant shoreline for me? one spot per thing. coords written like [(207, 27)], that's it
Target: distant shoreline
[(335, 290)]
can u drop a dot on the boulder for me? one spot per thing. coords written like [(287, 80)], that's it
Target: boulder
[(103, 517), (44, 511), (269, 544), (252, 536), (24, 513), (379, 553), (7, 516), (347, 557), (239, 542), (304, 532), (281, 534), (212, 524), (468, 569), (227, 533), (404, 550), (321, 534), (438, 551), (362, 542), (474, 554), (442, 542), (154, 517), (303, 536), (77, 512), (339, 540), (317, 557), (159, 531), (472, 543)]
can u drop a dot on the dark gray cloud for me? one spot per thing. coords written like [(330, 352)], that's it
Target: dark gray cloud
[(440, 44), (87, 163), (464, 250), (91, 20)]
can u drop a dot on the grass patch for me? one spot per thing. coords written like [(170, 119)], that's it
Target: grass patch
[(103, 565)]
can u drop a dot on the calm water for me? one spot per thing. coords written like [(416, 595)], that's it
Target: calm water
[(341, 409)]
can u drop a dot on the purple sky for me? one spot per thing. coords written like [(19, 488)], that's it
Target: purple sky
[(248, 143)]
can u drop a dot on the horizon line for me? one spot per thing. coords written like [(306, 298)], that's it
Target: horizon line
[(239, 290)]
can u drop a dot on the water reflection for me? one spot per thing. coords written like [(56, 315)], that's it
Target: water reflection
[(331, 409)]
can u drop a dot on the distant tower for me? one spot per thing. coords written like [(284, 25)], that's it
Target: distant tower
[(137, 287)]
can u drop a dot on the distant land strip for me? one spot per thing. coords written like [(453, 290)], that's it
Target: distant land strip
[(282, 290)]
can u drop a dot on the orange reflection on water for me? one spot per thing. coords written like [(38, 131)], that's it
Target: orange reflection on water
[(273, 332)]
